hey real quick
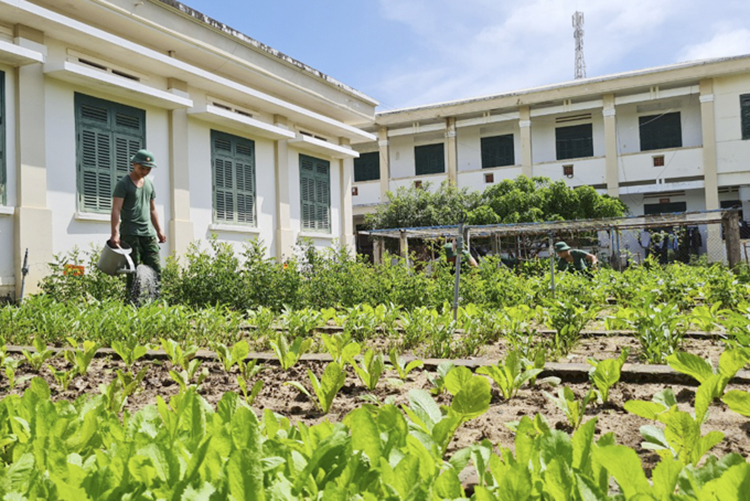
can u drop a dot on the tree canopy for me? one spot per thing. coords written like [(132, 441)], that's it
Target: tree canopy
[(520, 200)]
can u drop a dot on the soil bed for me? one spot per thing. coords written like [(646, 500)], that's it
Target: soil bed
[(286, 400)]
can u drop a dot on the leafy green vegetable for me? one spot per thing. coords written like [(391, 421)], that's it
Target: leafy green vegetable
[(511, 374), (326, 388)]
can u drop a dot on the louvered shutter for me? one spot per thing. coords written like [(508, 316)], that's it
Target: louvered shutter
[(307, 192), (315, 194), (108, 135), (234, 178), (245, 169), (574, 141), (660, 131), (322, 196), (3, 189), (367, 167), (497, 151), (745, 115), (429, 159)]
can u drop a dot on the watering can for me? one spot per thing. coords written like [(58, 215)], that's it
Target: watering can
[(116, 259)]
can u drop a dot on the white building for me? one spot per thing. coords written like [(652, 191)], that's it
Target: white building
[(662, 140), (250, 143)]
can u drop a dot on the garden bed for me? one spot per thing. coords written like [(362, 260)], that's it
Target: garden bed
[(638, 382)]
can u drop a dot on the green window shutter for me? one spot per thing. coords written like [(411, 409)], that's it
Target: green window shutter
[(575, 141), (497, 151), (3, 182), (660, 131), (108, 134), (745, 115), (367, 167), (315, 194), (233, 178), (429, 159)]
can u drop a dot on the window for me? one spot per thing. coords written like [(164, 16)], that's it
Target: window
[(660, 131), (664, 208), (107, 135), (3, 199), (367, 167), (575, 141), (429, 159), (497, 151), (745, 115), (315, 193), (233, 160)]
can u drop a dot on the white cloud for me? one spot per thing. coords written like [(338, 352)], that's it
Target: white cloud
[(722, 44), (479, 47)]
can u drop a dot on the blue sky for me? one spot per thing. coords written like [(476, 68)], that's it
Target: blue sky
[(414, 52)]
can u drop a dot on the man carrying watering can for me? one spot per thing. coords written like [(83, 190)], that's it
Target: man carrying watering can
[(134, 217)]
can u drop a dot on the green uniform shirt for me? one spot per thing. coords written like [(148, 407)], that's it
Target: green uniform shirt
[(135, 217), (579, 261)]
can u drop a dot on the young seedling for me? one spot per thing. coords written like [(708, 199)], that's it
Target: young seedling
[(39, 356), (10, 366), (681, 439), (712, 381), (438, 382), (400, 366), (129, 350), (231, 357), (81, 357), (186, 376), (117, 392), (370, 369), (249, 370), (287, 354), (341, 347), (511, 374), (606, 374), (179, 357), (574, 409), (325, 388), (63, 378)]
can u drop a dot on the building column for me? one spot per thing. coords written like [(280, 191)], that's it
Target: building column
[(524, 122), (451, 150), (385, 166), (612, 174), (32, 217), (708, 130), (284, 234), (347, 212), (181, 232)]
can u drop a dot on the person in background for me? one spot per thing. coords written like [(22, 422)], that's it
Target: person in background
[(134, 218), (574, 259), (466, 257)]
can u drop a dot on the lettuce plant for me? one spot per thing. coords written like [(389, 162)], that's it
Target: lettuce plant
[(40, 355), (81, 357), (574, 409), (129, 350), (326, 388), (512, 373), (370, 369), (400, 365), (289, 354), (341, 347), (234, 356), (606, 374)]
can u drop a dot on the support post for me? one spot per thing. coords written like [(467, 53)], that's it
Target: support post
[(730, 223), (377, 250), (459, 251), (552, 263)]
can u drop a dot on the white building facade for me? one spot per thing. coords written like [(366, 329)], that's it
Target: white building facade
[(667, 139), (249, 143)]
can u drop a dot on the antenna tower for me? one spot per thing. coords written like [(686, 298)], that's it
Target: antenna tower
[(580, 70)]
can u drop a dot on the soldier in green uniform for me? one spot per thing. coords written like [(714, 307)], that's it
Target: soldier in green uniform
[(134, 218), (574, 259)]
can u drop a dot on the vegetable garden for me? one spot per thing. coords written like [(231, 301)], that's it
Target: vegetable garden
[(330, 378)]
